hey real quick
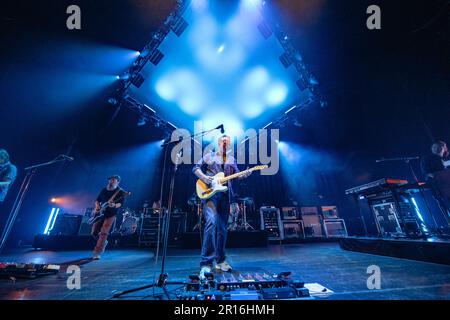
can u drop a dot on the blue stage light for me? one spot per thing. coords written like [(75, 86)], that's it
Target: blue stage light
[(251, 4), (51, 220)]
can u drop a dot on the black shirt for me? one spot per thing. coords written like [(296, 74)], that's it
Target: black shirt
[(105, 195), (431, 164)]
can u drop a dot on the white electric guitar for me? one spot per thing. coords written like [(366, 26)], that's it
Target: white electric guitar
[(205, 191)]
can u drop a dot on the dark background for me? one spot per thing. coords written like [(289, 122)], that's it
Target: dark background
[(388, 94)]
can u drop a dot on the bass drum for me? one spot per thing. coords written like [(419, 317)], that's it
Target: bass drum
[(129, 223)]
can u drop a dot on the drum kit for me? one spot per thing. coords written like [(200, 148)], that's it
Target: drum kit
[(129, 223), (237, 220)]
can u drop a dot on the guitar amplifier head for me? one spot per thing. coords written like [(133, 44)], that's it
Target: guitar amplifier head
[(289, 213), (330, 212), (312, 222), (293, 229)]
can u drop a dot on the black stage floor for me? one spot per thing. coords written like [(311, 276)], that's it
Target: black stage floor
[(344, 272)]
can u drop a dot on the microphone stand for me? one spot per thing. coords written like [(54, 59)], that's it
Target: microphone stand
[(163, 276), (30, 172)]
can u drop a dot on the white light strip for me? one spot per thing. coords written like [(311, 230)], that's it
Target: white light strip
[(290, 109), (267, 125), (54, 219), (49, 220)]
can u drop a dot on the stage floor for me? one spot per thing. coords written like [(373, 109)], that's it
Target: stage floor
[(344, 272)]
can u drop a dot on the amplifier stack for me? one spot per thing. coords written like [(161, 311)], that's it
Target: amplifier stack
[(300, 223)]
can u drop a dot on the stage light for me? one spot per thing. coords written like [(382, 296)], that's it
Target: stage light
[(286, 60), (199, 4), (297, 123), (313, 81), (51, 220), (156, 57), (53, 200), (416, 208), (221, 48), (251, 4), (276, 94), (141, 122), (125, 76), (138, 80), (117, 77), (178, 25), (112, 101)]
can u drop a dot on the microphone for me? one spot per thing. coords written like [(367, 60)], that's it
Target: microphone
[(222, 130)]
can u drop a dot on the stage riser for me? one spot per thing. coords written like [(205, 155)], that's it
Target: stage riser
[(436, 252), (250, 239), (187, 241)]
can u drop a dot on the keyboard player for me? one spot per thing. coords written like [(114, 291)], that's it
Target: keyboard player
[(436, 169)]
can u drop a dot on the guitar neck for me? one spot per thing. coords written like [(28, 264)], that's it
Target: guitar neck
[(236, 175)]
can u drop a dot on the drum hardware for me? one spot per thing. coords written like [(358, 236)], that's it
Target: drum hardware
[(245, 225), (198, 226), (129, 223)]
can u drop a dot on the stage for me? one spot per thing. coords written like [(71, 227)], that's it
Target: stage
[(343, 272)]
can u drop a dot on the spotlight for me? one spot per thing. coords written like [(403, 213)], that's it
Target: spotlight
[(156, 57), (221, 48), (297, 123), (53, 200), (141, 122), (178, 25), (285, 60), (125, 76), (112, 101), (313, 81), (301, 84), (138, 80)]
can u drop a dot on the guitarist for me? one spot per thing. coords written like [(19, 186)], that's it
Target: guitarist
[(114, 196), (216, 208)]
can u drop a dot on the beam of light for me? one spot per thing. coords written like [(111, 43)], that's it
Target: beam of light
[(251, 4), (300, 167), (419, 215)]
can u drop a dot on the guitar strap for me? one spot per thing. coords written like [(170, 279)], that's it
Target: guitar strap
[(113, 197)]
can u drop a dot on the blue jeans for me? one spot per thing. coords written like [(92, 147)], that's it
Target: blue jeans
[(215, 213)]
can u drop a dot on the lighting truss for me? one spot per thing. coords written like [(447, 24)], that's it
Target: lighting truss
[(175, 23), (291, 56)]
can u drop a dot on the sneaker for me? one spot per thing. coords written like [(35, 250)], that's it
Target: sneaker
[(96, 256), (203, 270), (224, 266)]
